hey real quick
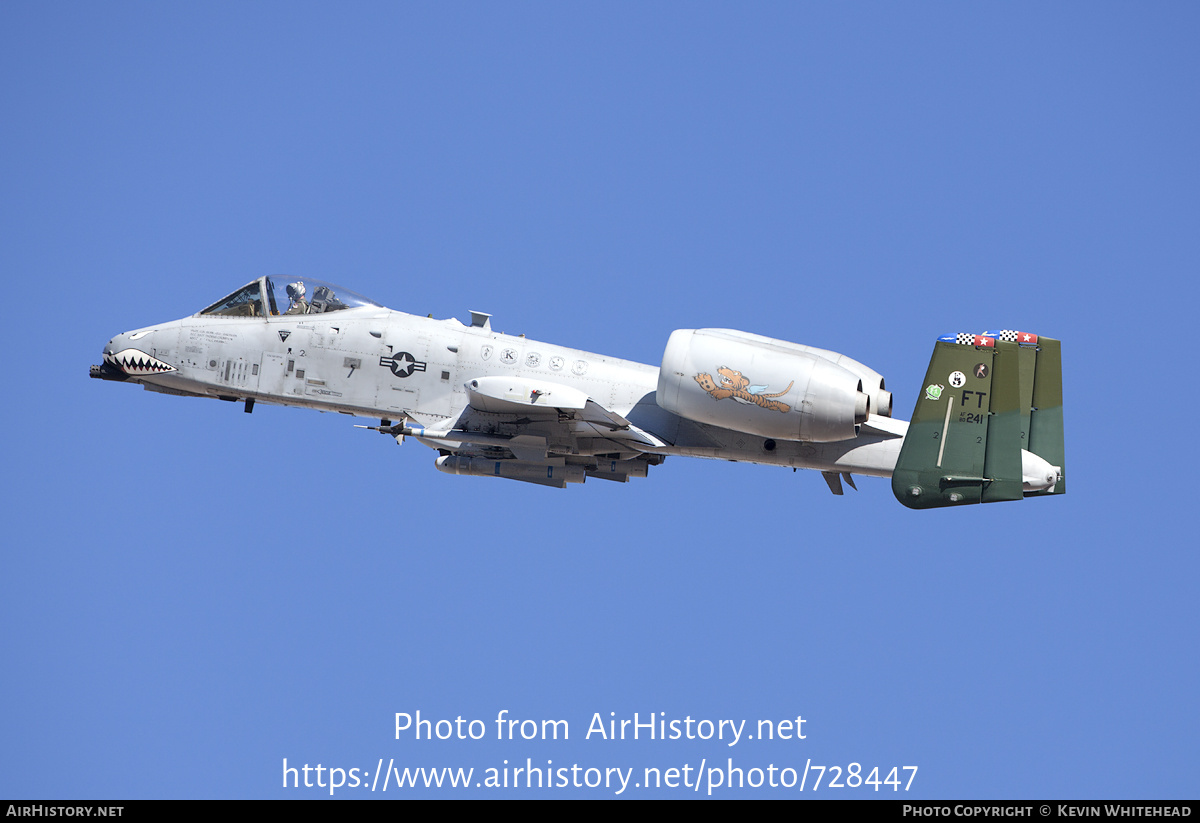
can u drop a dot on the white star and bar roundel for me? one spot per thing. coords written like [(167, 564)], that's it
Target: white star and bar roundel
[(402, 364)]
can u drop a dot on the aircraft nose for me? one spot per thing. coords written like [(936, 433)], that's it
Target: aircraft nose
[(130, 353), (118, 343), (108, 368)]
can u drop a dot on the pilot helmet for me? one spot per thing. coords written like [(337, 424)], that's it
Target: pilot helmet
[(295, 291)]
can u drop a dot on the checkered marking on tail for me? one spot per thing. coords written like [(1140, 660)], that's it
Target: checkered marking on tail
[(967, 339), (1010, 336)]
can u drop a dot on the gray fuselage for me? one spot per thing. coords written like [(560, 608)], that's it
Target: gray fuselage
[(370, 361)]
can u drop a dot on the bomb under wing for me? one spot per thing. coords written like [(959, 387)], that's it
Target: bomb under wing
[(987, 424)]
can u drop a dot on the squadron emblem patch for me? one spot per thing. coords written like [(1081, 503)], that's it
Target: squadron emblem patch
[(732, 384)]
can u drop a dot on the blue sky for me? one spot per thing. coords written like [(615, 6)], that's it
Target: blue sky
[(190, 594)]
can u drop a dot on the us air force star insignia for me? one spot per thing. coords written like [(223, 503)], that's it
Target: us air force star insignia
[(402, 364)]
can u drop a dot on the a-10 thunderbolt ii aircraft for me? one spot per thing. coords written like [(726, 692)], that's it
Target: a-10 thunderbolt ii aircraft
[(988, 423)]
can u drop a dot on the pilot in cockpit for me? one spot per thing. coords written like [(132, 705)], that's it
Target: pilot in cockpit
[(295, 293)]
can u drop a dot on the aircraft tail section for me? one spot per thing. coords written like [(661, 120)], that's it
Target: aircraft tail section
[(988, 424), (1046, 425)]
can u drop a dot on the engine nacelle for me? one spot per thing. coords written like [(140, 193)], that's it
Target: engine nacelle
[(873, 385), (762, 386)]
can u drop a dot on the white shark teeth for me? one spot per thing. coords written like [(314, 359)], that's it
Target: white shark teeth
[(133, 361)]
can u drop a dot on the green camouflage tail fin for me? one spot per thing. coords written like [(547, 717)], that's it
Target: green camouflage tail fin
[(988, 426)]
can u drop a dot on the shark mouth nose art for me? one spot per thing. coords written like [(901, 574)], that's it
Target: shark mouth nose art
[(133, 361)]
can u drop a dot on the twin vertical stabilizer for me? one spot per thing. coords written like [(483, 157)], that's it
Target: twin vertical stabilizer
[(988, 425)]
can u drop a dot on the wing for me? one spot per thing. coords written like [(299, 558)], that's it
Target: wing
[(539, 432)]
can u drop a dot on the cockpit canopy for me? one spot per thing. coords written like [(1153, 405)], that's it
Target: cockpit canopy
[(275, 296)]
